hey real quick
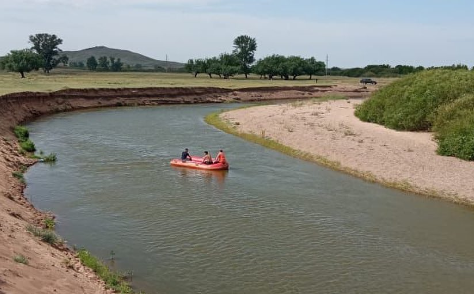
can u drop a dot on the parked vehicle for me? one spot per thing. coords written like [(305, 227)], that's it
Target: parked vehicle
[(368, 81)]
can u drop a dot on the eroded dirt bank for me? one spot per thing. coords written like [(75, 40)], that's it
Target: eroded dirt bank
[(56, 270)]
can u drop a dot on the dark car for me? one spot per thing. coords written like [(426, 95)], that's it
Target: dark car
[(368, 81)]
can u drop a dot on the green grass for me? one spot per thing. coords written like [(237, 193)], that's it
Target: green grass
[(21, 133), (28, 146), (19, 175), (49, 223), (65, 78), (51, 158), (45, 235), (437, 100), (21, 259), (112, 279)]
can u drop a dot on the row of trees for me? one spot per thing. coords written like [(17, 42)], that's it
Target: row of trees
[(104, 63), (227, 65), (382, 70), (44, 54), (385, 70), (111, 64), (242, 59)]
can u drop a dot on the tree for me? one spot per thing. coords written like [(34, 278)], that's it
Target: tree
[(115, 65), (244, 50), (21, 61), (197, 66), (229, 64), (46, 46), (296, 66), (103, 63), (314, 67), (272, 66), (92, 63)]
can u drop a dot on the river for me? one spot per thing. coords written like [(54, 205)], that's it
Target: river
[(271, 224)]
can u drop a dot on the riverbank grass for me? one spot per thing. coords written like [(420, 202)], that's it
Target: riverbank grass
[(60, 79), (216, 120), (45, 235), (27, 147), (112, 279)]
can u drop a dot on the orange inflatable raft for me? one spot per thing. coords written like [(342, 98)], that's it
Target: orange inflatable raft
[(196, 163)]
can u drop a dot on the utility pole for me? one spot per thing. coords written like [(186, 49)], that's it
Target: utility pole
[(327, 64), (166, 62)]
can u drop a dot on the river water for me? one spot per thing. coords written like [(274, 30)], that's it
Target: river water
[(271, 224)]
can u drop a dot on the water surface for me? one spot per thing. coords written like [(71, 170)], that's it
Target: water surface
[(272, 224)]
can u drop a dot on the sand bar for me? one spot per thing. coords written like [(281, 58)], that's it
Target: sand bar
[(405, 160)]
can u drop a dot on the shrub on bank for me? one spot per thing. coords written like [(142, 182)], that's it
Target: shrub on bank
[(28, 145), (438, 100), (411, 102), (454, 127), (21, 133)]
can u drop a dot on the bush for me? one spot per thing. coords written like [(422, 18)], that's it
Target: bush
[(438, 100), (21, 259), (28, 145), (49, 223), (454, 125), (21, 133), (409, 103), (49, 158)]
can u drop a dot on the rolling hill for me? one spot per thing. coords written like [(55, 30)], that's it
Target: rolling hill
[(126, 56)]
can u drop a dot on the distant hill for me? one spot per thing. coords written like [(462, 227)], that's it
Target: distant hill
[(126, 56)]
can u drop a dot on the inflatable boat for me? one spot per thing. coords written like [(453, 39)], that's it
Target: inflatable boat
[(196, 163)]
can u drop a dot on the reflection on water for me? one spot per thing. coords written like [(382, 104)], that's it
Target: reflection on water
[(277, 225), (209, 176)]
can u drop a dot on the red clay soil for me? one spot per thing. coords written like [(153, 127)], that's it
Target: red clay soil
[(56, 269)]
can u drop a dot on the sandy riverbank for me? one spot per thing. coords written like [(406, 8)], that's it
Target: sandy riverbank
[(53, 270), (330, 130)]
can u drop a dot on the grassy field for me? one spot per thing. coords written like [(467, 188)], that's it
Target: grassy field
[(63, 79)]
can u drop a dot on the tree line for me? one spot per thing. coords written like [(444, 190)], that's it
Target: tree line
[(242, 61), (45, 54), (105, 63)]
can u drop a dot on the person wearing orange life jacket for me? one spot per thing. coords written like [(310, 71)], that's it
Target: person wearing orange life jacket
[(220, 157)]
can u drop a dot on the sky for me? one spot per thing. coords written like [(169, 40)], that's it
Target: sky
[(350, 33)]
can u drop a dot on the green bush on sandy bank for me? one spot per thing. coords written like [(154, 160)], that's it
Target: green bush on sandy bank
[(437, 100)]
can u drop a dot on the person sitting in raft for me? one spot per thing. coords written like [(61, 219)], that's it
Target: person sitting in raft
[(185, 155), (220, 157), (207, 159)]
